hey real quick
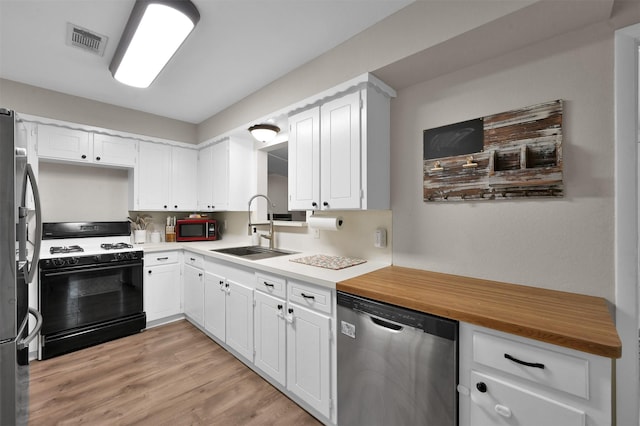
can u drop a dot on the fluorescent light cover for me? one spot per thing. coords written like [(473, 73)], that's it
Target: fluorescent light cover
[(160, 33)]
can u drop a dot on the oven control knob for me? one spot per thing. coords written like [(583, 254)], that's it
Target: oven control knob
[(97, 258), (117, 256), (58, 261), (73, 261)]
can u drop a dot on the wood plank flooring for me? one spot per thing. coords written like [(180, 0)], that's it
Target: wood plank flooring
[(168, 375)]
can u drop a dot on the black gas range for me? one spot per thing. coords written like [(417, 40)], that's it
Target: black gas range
[(91, 285)]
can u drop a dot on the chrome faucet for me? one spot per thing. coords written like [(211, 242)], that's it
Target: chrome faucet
[(270, 206)]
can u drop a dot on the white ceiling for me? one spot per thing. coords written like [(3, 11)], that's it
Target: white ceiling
[(238, 47)]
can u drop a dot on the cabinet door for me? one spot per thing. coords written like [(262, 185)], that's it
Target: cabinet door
[(184, 179), (205, 178), (220, 176), (308, 362), (496, 402), (269, 329), (60, 143), (162, 291), (239, 319), (340, 149), (153, 176), (114, 151), (214, 305), (194, 294), (304, 160)]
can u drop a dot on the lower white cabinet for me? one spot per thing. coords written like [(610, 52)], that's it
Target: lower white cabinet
[(162, 291), (228, 307), (214, 305), (292, 341), (239, 318), (510, 380), (308, 357), (194, 294), (270, 342)]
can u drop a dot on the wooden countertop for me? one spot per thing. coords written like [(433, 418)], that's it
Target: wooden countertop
[(571, 320)]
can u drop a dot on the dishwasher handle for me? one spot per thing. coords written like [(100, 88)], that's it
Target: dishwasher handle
[(386, 324), (431, 324)]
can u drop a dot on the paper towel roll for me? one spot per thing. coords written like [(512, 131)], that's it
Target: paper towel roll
[(325, 223)]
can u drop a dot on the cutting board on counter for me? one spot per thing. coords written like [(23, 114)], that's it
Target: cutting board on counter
[(329, 262)]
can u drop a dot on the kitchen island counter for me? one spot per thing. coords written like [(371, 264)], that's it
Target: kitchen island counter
[(570, 320)]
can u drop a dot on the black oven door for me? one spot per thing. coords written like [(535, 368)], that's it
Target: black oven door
[(90, 304)]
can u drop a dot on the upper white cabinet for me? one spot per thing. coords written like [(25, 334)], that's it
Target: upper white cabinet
[(165, 178), (226, 175), (63, 144), (114, 151), (339, 153), (304, 160)]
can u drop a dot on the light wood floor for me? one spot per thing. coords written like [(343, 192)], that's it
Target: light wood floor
[(168, 375)]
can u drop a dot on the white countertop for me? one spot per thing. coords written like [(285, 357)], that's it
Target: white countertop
[(280, 265)]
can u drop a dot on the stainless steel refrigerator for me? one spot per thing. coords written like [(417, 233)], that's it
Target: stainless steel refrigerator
[(17, 269)]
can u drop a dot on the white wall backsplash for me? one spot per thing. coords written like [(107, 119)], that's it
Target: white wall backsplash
[(355, 239), (78, 193)]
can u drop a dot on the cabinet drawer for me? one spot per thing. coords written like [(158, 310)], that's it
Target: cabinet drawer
[(274, 286), (495, 402), (160, 258), (310, 296), (547, 367), (195, 260)]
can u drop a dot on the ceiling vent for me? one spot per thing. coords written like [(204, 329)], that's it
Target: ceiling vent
[(86, 39)]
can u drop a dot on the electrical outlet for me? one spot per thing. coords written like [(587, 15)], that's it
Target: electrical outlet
[(316, 233)]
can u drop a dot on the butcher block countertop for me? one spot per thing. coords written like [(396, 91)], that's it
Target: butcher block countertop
[(571, 320)]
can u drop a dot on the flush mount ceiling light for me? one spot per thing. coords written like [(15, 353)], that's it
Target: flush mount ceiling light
[(154, 32), (264, 132)]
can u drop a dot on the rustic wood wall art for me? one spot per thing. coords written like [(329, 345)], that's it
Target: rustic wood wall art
[(508, 155)]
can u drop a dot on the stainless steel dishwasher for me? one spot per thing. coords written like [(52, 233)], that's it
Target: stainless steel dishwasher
[(395, 366)]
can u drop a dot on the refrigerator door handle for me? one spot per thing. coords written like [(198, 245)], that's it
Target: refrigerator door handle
[(29, 175), (24, 343)]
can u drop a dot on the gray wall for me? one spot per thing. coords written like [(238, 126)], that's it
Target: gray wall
[(565, 244), (50, 104)]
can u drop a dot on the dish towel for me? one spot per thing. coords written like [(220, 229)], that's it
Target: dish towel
[(329, 262)]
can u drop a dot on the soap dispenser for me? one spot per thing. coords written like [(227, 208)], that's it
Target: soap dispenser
[(255, 237)]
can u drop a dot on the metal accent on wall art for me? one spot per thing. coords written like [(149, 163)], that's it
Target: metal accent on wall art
[(508, 155)]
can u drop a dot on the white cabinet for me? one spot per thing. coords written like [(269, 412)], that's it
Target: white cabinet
[(304, 160), (239, 318), (165, 178), (162, 290), (63, 144), (293, 338), (114, 151), (339, 153), (269, 327), (510, 380), (226, 175), (194, 293), (308, 352), (228, 306), (214, 304)]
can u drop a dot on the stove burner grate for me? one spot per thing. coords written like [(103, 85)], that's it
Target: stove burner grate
[(115, 246), (65, 249)]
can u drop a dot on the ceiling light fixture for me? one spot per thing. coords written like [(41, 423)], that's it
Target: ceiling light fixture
[(264, 132), (154, 32)]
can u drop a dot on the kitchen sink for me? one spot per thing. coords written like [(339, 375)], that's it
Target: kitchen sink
[(253, 252)]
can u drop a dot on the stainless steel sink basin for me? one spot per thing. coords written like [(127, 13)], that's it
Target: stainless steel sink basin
[(254, 252)]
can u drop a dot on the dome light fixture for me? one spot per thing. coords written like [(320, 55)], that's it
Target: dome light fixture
[(264, 132), (153, 34)]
